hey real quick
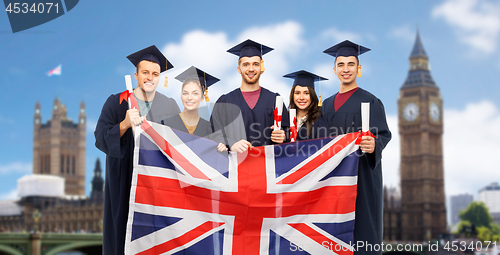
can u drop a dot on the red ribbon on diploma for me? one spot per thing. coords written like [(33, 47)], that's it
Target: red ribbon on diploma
[(124, 96), (277, 118), (361, 134), (293, 129)]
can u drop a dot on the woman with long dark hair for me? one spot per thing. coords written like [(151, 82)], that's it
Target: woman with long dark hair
[(195, 83), (303, 98)]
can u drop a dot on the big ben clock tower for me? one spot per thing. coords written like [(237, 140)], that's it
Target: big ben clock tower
[(420, 110)]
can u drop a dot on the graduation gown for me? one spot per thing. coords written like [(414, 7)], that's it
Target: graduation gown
[(233, 117), (119, 164), (319, 130), (203, 129), (369, 209)]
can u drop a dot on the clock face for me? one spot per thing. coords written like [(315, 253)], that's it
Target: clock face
[(82, 120), (410, 112), (434, 112)]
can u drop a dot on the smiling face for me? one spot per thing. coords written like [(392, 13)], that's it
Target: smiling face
[(191, 95), (301, 97), (249, 68), (346, 68), (147, 76)]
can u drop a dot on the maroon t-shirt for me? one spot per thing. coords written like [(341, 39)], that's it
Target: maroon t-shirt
[(251, 97), (341, 98)]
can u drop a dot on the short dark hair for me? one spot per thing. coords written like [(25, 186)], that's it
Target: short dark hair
[(239, 60), (137, 66), (335, 62)]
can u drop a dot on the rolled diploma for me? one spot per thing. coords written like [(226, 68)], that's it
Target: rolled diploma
[(365, 116), (128, 83), (279, 106), (293, 114)]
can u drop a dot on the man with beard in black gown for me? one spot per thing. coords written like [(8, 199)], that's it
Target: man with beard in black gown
[(245, 115), (343, 114)]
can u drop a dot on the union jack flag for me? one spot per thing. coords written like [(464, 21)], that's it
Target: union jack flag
[(55, 71), (294, 198)]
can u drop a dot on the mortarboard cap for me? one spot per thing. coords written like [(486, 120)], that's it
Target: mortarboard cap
[(249, 48), (304, 78), (152, 54), (195, 73), (346, 49)]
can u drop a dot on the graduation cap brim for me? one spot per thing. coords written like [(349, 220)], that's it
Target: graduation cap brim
[(152, 54), (346, 49), (304, 78), (249, 48), (195, 73)]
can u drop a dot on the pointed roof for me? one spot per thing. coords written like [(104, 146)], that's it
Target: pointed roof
[(97, 168), (418, 49), (420, 76)]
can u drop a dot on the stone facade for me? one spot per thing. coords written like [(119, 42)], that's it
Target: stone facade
[(59, 147)]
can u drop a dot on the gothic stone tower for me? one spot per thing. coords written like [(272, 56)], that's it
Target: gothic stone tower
[(420, 110), (59, 147), (97, 191)]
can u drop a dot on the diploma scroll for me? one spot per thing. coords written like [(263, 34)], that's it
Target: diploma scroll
[(293, 125), (365, 116), (132, 103), (277, 113), (128, 83)]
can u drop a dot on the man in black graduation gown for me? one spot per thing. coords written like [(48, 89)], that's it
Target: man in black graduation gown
[(245, 115), (114, 137), (343, 114)]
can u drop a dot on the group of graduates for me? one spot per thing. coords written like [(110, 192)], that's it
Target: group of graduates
[(240, 120)]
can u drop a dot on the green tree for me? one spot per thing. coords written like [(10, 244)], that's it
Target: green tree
[(477, 214)]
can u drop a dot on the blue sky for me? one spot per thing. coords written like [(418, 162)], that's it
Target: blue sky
[(91, 42)]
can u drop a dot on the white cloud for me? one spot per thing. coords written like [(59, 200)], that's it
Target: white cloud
[(285, 38), (470, 149), (404, 32), (477, 22), (16, 167), (91, 124), (201, 49), (9, 195), (338, 35), (391, 155)]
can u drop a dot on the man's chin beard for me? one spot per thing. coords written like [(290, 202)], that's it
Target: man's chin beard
[(248, 81)]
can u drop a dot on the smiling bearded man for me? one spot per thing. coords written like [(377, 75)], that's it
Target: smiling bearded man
[(246, 115)]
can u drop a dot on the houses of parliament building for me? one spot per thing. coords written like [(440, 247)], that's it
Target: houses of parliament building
[(53, 198)]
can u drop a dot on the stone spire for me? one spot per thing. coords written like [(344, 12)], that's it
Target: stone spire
[(419, 74)]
